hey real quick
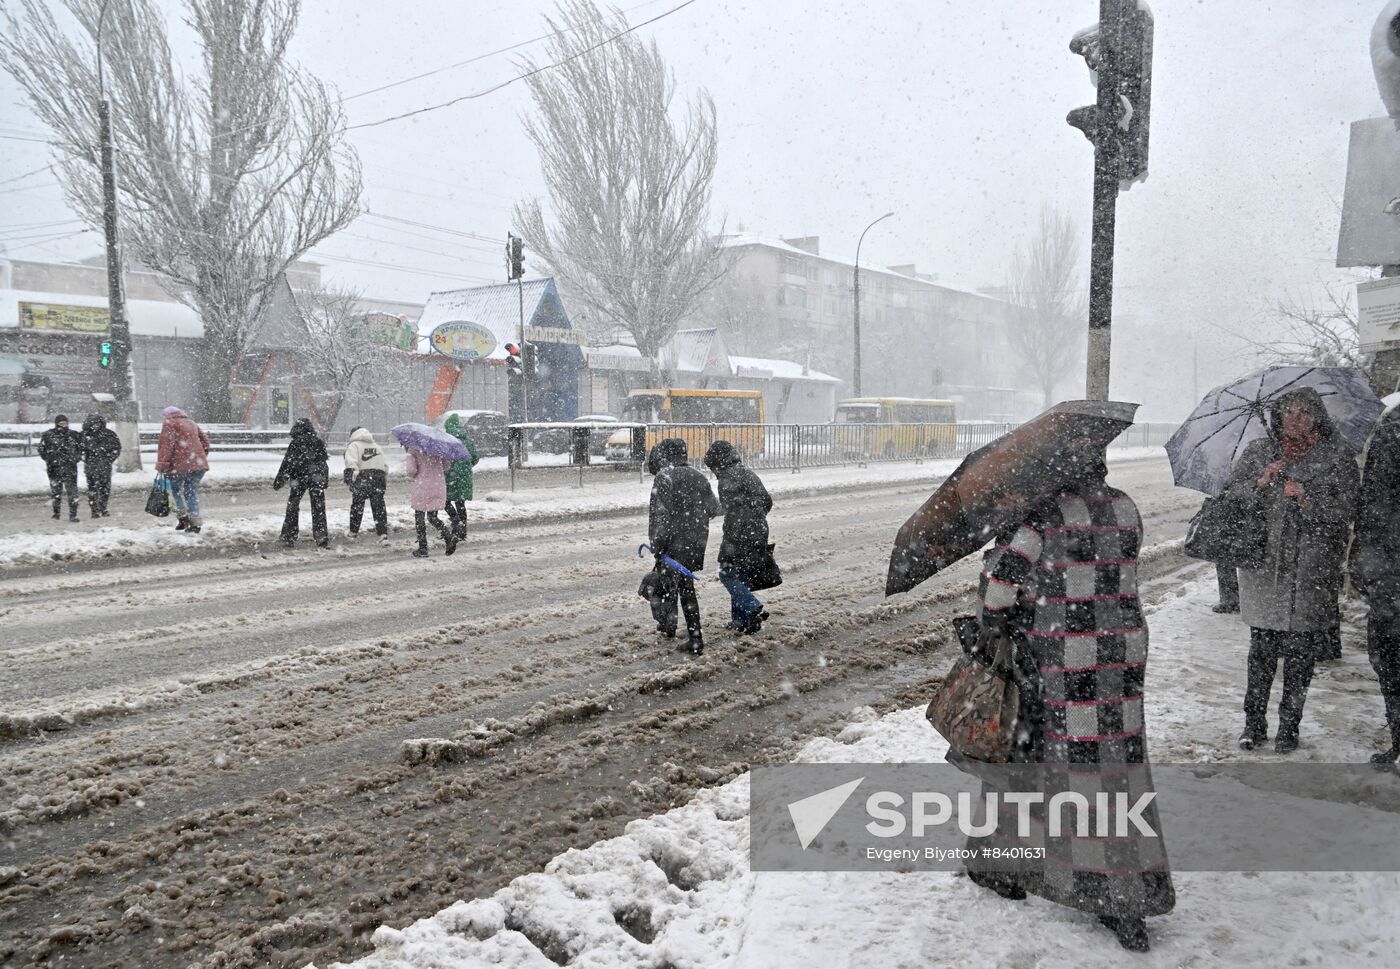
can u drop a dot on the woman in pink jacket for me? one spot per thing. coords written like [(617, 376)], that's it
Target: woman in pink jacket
[(427, 497), (182, 455)]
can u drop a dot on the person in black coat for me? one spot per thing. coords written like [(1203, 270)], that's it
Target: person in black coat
[(306, 468), (61, 448), (101, 448), (1375, 568), (743, 551), (678, 525)]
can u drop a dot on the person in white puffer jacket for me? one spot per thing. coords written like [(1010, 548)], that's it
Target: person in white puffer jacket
[(367, 477)]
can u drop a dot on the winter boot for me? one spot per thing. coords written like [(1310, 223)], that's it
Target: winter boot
[(181, 523), (1287, 740), (752, 623), (1255, 733), (193, 527), (693, 646), (451, 540), (668, 631), (1132, 933), (384, 540), (420, 553), (1002, 884), (1386, 758)]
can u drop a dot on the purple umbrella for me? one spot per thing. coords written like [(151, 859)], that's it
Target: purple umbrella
[(430, 440)]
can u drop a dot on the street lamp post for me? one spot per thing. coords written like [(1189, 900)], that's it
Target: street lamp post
[(855, 383), (120, 370)]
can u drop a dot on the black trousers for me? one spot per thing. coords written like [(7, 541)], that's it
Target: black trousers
[(60, 481), (683, 592), (1383, 648), (369, 486), (1299, 652), (99, 486), (1227, 580), (291, 525), (420, 525), (457, 512)]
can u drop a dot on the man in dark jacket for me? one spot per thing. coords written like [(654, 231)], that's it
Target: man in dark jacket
[(101, 447), (305, 467), (743, 551), (1375, 568), (682, 505), (61, 449)]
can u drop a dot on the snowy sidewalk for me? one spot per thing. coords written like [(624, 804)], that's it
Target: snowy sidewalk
[(58, 542), (675, 890)]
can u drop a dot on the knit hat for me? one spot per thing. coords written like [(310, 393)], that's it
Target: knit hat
[(169, 411), (60, 417)]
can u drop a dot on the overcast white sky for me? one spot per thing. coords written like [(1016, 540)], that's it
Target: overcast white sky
[(950, 112)]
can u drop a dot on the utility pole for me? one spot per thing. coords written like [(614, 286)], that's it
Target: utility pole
[(1118, 50), (121, 378), (855, 382), (515, 270)]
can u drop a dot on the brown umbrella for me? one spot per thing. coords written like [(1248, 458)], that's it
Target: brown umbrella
[(996, 486)]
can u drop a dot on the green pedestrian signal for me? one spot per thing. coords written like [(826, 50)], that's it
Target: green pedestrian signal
[(105, 359)]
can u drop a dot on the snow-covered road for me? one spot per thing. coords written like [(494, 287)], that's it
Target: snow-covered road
[(213, 761)]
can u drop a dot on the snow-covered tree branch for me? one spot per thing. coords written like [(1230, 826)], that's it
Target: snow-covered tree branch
[(341, 350), (225, 176), (629, 190)]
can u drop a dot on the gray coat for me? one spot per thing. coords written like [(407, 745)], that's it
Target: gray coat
[(1298, 586)]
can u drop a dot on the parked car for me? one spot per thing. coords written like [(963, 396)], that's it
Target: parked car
[(556, 440), (486, 428)]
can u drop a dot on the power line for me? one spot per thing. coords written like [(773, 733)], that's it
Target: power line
[(437, 228), (19, 178), (469, 60), (520, 77), (405, 269)]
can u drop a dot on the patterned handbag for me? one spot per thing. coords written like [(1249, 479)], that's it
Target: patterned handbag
[(975, 707)]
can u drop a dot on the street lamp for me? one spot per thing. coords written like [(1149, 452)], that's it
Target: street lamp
[(120, 371), (856, 381)]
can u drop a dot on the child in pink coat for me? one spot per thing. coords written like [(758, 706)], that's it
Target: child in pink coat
[(427, 497)]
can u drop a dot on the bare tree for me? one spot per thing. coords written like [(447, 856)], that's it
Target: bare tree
[(226, 176), (1308, 332), (629, 191), (340, 349), (1046, 290)]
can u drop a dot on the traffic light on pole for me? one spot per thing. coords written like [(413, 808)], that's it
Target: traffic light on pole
[(104, 357), (514, 367), (515, 256), (1118, 52), (530, 360)]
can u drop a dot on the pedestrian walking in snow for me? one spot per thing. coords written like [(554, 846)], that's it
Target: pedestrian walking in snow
[(1305, 480), (305, 470), (1375, 568), (1063, 585), (678, 525), (459, 477), (427, 497), (182, 455), (61, 449), (367, 477), (101, 448), (743, 550)]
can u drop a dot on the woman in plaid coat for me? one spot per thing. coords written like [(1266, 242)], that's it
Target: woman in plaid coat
[(1064, 584)]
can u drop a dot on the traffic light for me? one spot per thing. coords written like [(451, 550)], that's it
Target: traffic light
[(530, 360), (514, 367), (1119, 57), (515, 256), (104, 358)]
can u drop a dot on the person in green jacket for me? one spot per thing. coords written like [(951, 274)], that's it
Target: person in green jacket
[(459, 478)]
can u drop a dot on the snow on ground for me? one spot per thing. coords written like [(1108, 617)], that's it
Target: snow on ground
[(624, 495), (675, 890)]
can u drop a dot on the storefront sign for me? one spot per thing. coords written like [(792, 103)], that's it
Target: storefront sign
[(391, 330), (553, 334), (42, 374), (57, 316), (463, 340)]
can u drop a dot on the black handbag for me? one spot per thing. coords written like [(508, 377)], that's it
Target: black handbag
[(158, 501), (768, 575), (1231, 530)]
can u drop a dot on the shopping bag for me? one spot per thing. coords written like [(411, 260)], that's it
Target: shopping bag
[(975, 707), (768, 576), (158, 501), (1230, 530)]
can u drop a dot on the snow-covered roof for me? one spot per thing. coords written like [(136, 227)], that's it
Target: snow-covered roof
[(495, 307), (148, 317), (779, 369)]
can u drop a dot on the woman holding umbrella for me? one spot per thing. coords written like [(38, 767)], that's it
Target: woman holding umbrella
[(430, 454), (1304, 481)]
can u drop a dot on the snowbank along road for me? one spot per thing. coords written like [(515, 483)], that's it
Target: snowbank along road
[(256, 761)]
